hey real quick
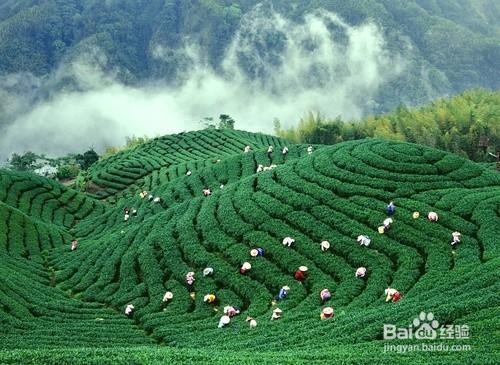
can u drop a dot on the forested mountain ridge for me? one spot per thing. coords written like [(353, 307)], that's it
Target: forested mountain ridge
[(450, 45), (467, 124)]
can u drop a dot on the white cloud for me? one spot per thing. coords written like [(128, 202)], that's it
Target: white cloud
[(274, 68)]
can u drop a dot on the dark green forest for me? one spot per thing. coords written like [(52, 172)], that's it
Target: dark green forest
[(448, 46), (467, 124)]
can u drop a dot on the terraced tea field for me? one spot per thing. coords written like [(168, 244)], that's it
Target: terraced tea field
[(59, 305)]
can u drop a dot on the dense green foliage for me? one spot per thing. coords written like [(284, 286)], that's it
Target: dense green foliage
[(467, 124), (68, 167), (22, 162), (66, 307), (452, 45)]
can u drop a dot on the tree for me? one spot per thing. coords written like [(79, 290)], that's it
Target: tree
[(68, 171), (226, 122), (87, 159), (208, 123), (22, 162)]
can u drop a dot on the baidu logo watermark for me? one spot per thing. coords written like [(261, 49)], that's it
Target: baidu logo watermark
[(426, 327)]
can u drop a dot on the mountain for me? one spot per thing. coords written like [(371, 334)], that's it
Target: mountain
[(442, 46), (58, 305)]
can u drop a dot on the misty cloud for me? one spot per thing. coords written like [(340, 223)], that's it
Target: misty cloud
[(274, 68)]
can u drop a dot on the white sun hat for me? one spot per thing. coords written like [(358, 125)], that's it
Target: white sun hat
[(246, 266), (224, 320), (328, 310), (432, 216), (303, 268), (254, 253)]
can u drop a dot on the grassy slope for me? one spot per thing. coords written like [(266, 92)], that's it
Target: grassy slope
[(72, 301)]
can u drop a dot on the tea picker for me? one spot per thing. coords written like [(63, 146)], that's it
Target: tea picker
[(361, 272), (288, 241), (325, 295), (391, 208), (300, 274), (364, 240), (283, 293), (392, 294), (129, 310)]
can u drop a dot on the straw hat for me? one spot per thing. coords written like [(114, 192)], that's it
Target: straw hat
[(381, 229), (432, 216), (254, 253), (416, 215), (277, 310), (190, 273), (252, 322), (246, 266), (303, 268), (328, 310), (325, 245), (361, 270), (286, 287), (168, 295), (208, 271)]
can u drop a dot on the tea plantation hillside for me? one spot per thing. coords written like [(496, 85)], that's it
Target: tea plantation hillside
[(62, 306)]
